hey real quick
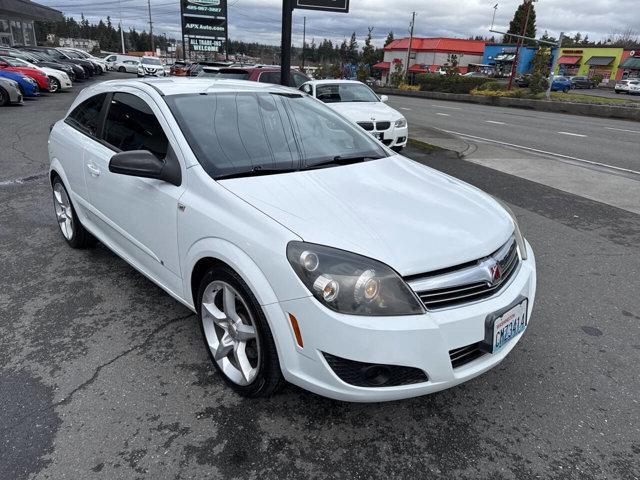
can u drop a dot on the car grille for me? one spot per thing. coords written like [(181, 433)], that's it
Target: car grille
[(383, 126), (470, 282), (463, 355), (368, 126), (361, 374)]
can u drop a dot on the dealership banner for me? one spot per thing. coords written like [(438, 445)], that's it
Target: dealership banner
[(204, 24)]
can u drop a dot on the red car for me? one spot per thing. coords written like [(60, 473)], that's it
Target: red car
[(262, 74), (179, 68), (41, 79)]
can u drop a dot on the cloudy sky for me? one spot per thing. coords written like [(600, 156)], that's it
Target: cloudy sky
[(259, 20)]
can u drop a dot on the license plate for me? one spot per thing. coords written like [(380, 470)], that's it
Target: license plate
[(507, 326)]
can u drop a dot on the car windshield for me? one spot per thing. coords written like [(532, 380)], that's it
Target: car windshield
[(72, 54), (151, 61), (345, 92), (235, 133)]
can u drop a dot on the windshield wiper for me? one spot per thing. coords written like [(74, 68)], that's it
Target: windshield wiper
[(340, 160), (256, 171)]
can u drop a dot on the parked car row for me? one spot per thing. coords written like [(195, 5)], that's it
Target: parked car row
[(27, 71), (630, 86), (560, 83), (142, 66)]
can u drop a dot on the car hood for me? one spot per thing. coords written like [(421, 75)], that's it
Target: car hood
[(395, 210), (365, 111)]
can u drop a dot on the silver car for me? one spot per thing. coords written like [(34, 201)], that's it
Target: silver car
[(9, 92), (129, 66)]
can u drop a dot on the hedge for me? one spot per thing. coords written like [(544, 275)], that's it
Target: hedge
[(448, 84)]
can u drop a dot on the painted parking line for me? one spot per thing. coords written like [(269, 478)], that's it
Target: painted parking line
[(443, 114), (572, 134), (404, 108), (622, 130), (494, 122), (567, 158)]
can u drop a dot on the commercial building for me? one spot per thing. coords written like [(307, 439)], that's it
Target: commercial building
[(16, 21), (430, 54), (85, 44), (500, 57), (630, 65), (590, 62)]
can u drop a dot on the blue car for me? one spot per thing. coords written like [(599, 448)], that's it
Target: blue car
[(28, 86), (561, 84)]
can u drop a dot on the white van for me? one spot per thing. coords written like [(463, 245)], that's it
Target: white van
[(117, 58)]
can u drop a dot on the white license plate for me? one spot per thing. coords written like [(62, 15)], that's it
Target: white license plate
[(508, 325)]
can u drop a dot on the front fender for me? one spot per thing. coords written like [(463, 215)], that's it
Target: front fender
[(236, 258)]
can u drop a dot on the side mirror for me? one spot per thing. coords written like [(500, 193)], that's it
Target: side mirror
[(384, 99), (306, 88), (143, 163)]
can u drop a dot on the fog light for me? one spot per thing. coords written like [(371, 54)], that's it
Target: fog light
[(328, 287)]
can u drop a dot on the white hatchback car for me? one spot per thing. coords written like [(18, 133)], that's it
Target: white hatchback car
[(357, 102), (309, 251)]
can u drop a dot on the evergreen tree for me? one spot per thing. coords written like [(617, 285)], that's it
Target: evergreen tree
[(368, 51), (352, 49), (517, 24), (389, 39)]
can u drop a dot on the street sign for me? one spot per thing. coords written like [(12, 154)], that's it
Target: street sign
[(324, 5), (204, 24)]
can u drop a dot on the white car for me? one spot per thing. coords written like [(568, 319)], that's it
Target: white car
[(309, 251), (58, 80), (357, 102), (633, 87), (151, 67), (129, 66)]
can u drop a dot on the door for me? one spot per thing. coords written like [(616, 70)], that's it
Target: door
[(137, 215)]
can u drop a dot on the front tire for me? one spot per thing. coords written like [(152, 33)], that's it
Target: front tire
[(122, 69), (54, 85), (4, 97), (72, 230), (237, 335)]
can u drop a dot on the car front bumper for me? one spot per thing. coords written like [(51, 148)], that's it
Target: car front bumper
[(396, 137), (419, 341)]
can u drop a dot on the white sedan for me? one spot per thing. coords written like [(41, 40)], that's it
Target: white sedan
[(357, 102), (309, 251)]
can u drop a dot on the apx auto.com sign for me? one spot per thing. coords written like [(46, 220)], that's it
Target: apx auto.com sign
[(204, 23)]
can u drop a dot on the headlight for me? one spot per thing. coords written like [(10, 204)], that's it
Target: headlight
[(522, 248), (350, 283), (401, 123), (31, 80)]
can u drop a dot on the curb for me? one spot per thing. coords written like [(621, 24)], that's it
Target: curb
[(585, 109), (430, 149)]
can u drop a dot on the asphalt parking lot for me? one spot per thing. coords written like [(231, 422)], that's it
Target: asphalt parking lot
[(103, 375)]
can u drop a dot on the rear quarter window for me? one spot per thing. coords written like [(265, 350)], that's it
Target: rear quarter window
[(86, 116)]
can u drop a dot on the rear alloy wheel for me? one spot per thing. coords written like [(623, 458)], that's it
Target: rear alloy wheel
[(237, 334), (70, 227), (54, 85), (4, 98)]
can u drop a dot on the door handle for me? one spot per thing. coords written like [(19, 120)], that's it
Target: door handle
[(93, 170)]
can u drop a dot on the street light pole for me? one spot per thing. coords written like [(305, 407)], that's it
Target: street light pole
[(304, 40), (153, 48), (285, 47)]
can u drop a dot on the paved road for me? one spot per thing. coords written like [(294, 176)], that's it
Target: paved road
[(102, 375), (612, 142)]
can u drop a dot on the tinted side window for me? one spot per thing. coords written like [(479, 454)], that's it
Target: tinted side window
[(131, 125), (86, 116), (270, 77)]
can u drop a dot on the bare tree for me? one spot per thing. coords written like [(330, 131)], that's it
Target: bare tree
[(626, 38)]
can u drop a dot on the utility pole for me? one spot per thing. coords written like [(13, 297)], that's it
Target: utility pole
[(304, 39), (514, 65), (413, 21), (285, 46), (184, 47), (153, 48)]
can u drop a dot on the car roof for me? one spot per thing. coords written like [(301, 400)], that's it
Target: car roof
[(333, 81), (182, 85)]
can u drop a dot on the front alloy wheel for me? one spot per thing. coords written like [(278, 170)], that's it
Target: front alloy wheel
[(230, 331), (72, 230), (54, 85), (237, 335)]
